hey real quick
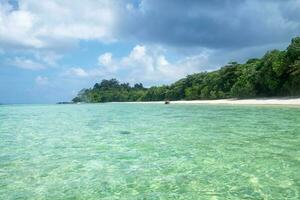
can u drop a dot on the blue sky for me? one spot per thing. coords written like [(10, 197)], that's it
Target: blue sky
[(49, 50)]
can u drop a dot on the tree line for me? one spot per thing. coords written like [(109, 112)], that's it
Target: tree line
[(277, 73)]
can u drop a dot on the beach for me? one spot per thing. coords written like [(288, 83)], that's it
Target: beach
[(256, 101)]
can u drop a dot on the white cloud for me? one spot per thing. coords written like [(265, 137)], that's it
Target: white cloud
[(77, 72), (143, 64), (105, 59), (45, 27), (55, 23), (26, 63), (34, 60), (41, 80), (49, 58), (16, 27)]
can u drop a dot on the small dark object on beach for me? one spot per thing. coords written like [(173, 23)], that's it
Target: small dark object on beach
[(124, 132), (167, 102)]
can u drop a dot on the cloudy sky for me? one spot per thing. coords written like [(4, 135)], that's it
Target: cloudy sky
[(49, 50)]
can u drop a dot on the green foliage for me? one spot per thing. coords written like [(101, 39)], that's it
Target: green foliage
[(246, 81), (109, 91), (276, 73)]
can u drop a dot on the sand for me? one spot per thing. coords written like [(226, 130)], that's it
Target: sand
[(257, 101)]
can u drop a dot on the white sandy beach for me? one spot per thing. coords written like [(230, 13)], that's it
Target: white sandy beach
[(257, 101)]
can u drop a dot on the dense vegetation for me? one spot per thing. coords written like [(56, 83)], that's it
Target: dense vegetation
[(277, 73)]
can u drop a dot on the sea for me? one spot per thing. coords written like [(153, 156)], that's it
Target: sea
[(149, 151)]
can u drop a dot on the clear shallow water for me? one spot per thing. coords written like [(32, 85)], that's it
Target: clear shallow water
[(141, 151)]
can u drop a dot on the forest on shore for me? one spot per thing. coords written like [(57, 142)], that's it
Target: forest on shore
[(277, 73)]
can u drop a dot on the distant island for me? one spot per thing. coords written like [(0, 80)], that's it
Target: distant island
[(277, 73)]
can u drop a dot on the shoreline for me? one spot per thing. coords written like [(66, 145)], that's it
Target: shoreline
[(256, 101)]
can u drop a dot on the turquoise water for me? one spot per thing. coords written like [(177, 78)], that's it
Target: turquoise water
[(141, 151)]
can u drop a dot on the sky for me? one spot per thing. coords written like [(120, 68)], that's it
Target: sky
[(49, 50)]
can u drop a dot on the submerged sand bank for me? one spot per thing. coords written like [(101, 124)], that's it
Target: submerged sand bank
[(258, 101)]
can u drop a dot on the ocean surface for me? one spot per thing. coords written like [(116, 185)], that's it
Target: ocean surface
[(149, 151)]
